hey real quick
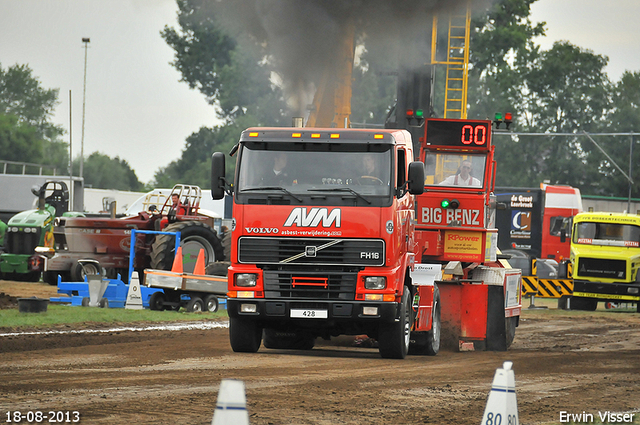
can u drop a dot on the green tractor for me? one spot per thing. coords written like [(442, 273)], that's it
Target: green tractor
[(33, 228)]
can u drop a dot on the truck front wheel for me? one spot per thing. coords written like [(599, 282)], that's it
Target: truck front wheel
[(393, 338), (245, 335), (580, 303)]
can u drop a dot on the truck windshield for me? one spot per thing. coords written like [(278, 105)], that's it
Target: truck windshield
[(448, 169), (313, 171), (607, 234)]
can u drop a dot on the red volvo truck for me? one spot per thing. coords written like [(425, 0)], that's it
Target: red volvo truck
[(326, 241)]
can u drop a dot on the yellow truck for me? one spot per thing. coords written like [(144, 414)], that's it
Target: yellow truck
[(605, 253)]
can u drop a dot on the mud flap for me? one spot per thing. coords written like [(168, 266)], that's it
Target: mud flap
[(496, 330)]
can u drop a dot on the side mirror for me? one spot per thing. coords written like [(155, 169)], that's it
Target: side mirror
[(217, 175), (563, 235), (416, 178)]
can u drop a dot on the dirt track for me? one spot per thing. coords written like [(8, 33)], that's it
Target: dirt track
[(563, 361)]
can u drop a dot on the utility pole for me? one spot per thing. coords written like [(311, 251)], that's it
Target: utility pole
[(70, 156), (86, 41)]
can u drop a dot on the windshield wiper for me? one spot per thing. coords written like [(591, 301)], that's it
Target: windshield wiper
[(341, 189), (272, 188)]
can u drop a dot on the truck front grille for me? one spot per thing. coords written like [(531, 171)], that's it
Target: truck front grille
[(312, 251), (602, 268), (21, 242), (313, 284)]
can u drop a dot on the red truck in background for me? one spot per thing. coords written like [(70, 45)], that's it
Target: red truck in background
[(531, 224), (330, 242)]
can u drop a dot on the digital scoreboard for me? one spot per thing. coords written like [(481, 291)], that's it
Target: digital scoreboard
[(458, 133)]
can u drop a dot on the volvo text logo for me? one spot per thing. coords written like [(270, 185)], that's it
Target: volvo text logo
[(302, 217)]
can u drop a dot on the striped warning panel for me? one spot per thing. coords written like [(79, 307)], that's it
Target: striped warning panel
[(554, 288), (529, 285)]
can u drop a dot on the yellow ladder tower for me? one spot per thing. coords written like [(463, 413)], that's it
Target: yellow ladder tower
[(457, 62)]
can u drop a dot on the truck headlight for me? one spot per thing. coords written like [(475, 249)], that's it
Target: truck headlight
[(246, 279), (375, 282)]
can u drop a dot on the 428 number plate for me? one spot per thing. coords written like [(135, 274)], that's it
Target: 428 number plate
[(309, 313)]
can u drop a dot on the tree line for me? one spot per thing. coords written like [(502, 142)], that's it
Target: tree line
[(560, 90)]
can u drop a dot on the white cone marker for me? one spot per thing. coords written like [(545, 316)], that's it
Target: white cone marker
[(502, 405)]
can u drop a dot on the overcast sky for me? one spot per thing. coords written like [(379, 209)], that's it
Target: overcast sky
[(137, 109)]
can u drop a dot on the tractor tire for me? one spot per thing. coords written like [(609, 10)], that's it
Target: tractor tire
[(194, 236), (78, 272), (51, 278), (226, 246), (394, 338)]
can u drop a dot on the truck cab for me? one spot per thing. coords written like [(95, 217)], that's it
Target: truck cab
[(322, 236), (605, 252)]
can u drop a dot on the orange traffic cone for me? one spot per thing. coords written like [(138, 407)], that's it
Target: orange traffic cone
[(177, 261), (199, 269)]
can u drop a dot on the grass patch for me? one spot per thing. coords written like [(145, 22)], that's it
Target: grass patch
[(67, 315)]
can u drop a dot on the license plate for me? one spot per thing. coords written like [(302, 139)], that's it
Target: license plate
[(309, 313)]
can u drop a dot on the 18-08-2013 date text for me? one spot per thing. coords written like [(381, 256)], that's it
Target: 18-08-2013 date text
[(42, 416)]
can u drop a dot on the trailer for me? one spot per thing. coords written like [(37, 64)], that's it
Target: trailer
[(193, 292)]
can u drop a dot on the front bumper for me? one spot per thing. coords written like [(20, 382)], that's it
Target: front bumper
[(607, 291), (338, 312)]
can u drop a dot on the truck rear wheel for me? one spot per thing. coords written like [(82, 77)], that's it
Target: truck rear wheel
[(394, 338), (194, 236), (510, 329), (245, 335), (429, 342)]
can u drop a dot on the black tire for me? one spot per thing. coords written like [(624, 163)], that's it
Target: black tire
[(85, 301), (156, 301), (226, 246), (429, 342), (586, 304), (287, 340), (194, 236), (511, 323), (393, 338), (219, 268), (51, 278), (104, 303), (244, 335), (194, 305), (26, 277), (210, 303), (78, 272)]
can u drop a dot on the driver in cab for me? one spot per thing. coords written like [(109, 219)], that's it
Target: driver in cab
[(462, 177), (370, 172)]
